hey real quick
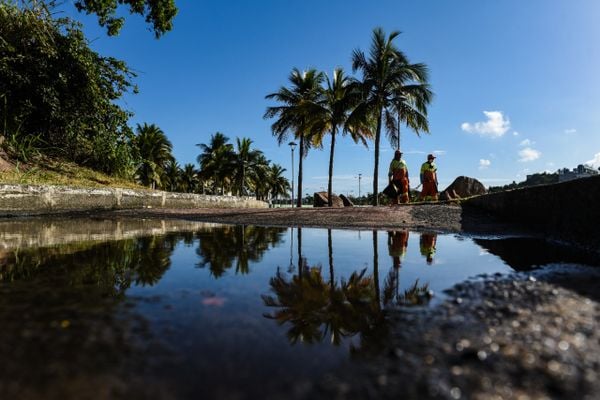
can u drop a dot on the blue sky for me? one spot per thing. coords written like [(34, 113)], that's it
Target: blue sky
[(515, 82)]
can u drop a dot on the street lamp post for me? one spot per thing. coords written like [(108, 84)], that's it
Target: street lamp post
[(292, 146), (359, 176)]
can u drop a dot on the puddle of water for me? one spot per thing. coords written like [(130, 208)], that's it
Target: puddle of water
[(166, 308)]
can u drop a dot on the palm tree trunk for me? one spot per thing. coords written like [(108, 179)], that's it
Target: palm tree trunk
[(376, 268), (329, 184), (300, 263), (376, 170), (398, 148), (301, 156), (330, 251)]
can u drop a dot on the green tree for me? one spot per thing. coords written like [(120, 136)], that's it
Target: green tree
[(59, 93), (158, 13), (245, 160), (215, 160), (171, 176), (340, 98), (387, 77), (278, 185), (154, 149), (299, 103), (189, 179)]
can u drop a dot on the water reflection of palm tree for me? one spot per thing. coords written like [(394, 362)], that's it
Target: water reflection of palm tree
[(317, 309), (221, 247), (427, 243)]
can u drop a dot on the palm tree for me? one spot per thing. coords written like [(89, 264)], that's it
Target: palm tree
[(245, 159), (189, 178), (171, 176), (388, 81), (278, 185), (258, 177), (155, 152), (340, 98), (299, 105), (215, 160)]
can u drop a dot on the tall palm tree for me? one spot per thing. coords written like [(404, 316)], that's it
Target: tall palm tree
[(245, 159), (340, 98), (155, 152), (387, 74), (216, 160), (299, 104)]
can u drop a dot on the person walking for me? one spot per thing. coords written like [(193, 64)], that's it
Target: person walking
[(429, 180), (398, 176)]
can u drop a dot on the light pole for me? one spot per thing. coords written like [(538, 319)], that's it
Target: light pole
[(359, 176), (292, 146)]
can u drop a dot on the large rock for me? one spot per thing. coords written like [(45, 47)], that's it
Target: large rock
[(320, 200), (463, 187), (347, 202)]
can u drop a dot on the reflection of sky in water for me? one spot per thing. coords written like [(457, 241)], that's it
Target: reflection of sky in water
[(216, 326)]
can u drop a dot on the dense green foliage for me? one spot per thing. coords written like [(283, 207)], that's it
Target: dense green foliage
[(158, 13), (240, 170), (58, 94)]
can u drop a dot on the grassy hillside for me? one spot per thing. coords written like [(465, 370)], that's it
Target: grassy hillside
[(47, 171)]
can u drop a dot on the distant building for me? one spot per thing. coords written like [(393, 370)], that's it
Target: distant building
[(582, 171)]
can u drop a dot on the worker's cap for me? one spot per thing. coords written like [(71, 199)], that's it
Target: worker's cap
[(398, 152), (430, 156)]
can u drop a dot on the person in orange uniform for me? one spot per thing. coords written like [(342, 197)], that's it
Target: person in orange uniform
[(427, 243), (429, 180), (397, 245), (398, 175)]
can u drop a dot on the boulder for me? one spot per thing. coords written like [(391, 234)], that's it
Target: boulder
[(320, 200), (463, 187), (347, 202)]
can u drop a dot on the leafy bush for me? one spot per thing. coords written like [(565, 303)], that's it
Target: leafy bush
[(60, 92)]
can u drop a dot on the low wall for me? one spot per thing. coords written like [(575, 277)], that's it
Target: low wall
[(567, 210), (45, 199)]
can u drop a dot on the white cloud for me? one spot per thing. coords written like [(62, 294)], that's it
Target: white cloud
[(439, 152), (570, 131), (495, 126), (529, 154), (483, 163), (594, 162), (526, 142), (515, 133)]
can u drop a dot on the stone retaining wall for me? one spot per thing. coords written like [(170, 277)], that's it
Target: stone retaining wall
[(567, 210), (45, 199)]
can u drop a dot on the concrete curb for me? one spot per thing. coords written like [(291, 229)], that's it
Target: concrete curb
[(566, 210), (17, 200)]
